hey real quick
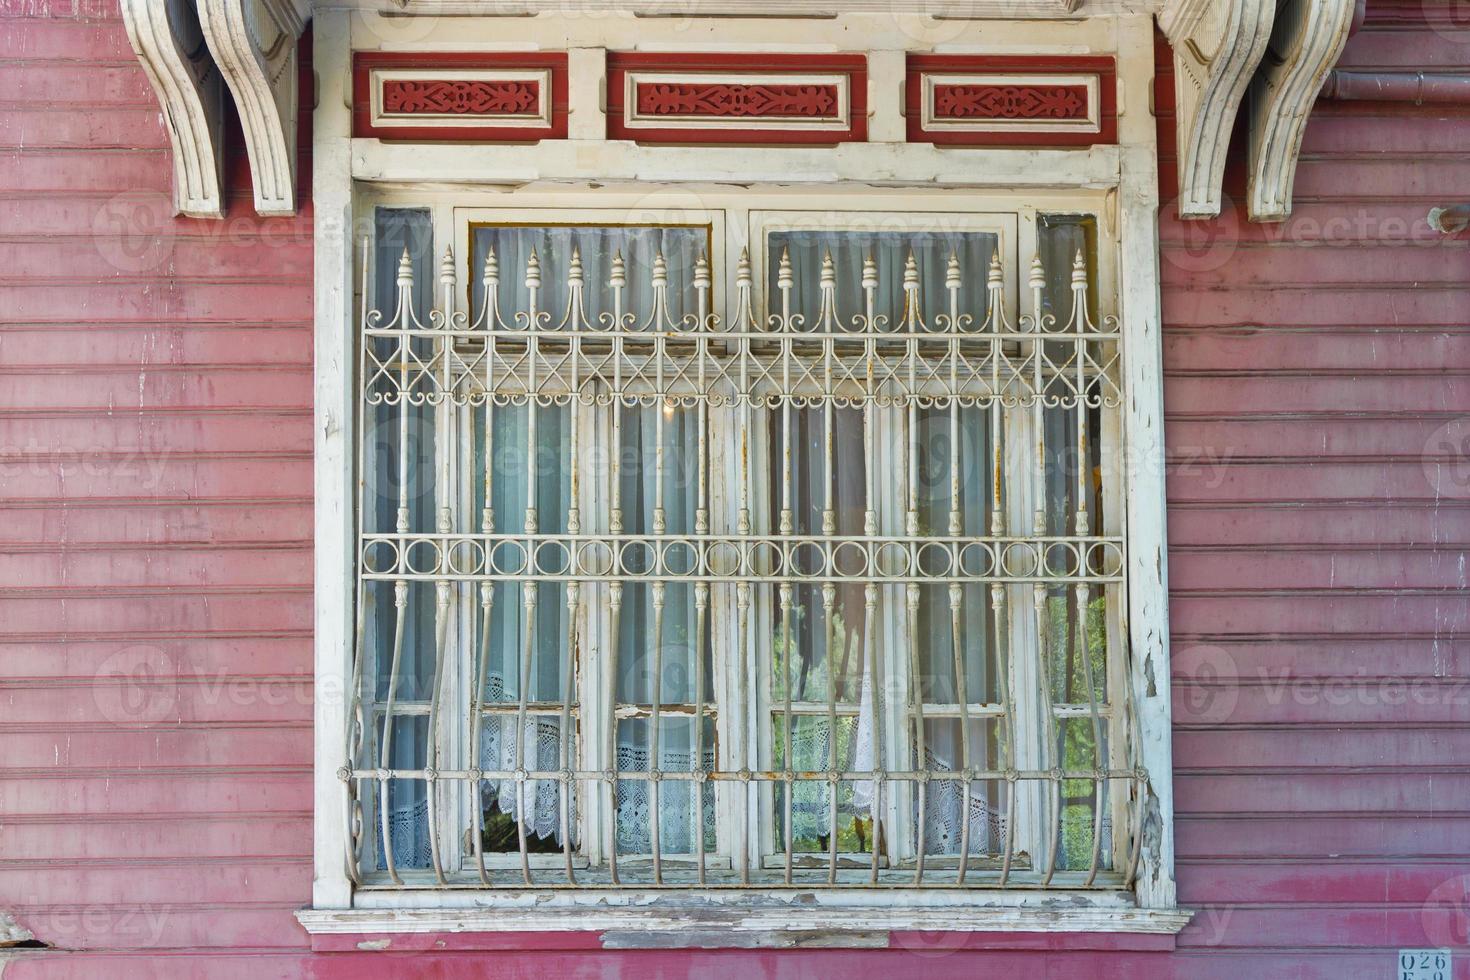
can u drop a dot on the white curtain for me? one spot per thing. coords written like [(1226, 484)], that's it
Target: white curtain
[(819, 646), (641, 430), (396, 230)]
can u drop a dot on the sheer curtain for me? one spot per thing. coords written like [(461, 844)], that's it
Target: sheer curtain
[(1074, 639), (513, 454), (397, 230), (820, 647)]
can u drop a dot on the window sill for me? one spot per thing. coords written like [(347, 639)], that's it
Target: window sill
[(713, 920)]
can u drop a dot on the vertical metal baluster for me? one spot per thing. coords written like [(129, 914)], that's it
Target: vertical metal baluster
[(744, 322), (1039, 530), (400, 587), (490, 278), (573, 322), (956, 528), (828, 325), (615, 615), (617, 280), (564, 745), (355, 733), (701, 532), (528, 589), (445, 525), (913, 323), (1082, 530), (995, 286), (784, 282), (660, 528), (870, 533)]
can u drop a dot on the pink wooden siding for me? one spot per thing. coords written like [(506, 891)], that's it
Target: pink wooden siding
[(155, 459)]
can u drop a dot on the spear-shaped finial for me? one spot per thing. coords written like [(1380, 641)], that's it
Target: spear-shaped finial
[(742, 270), (618, 276), (405, 270), (997, 275), (533, 271), (490, 275), (1079, 270), (660, 270), (1038, 274), (446, 267), (574, 270), (784, 277), (829, 272), (910, 272)]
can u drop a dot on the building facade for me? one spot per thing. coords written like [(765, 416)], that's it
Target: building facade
[(788, 490)]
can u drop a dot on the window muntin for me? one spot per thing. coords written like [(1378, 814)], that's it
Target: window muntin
[(761, 378)]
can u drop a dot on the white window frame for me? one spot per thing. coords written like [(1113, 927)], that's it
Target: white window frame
[(1119, 183)]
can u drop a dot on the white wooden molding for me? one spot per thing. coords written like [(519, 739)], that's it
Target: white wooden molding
[(719, 914), (1217, 46), (964, 9), (254, 44), (167, 39), (1306, 42)]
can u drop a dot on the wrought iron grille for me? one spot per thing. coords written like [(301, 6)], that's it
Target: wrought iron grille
[(762, 807)]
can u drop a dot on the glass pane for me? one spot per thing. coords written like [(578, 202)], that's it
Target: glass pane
[(946, 805), (512, 625), (1062, 237), (677, 817), (644, 432), (812, 745), (595, 246), (1078, 748), (969, 624), (500, 802), (520, 465), (407, 803), (821, 655), (397, 230), (890, 250)]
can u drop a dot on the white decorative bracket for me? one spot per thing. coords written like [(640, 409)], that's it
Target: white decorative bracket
[(254, 44), (1217, 45), (1305, 43), (167, 38)]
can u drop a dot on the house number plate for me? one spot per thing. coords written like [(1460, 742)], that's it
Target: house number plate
[(1423, 964)]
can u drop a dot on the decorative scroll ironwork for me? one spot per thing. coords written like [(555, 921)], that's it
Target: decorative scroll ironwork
[(662, 359), (743, 365)]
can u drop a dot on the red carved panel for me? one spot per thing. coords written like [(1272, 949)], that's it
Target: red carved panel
[(724, 99), (719, 97), (476, 98), (535, 111), (1012, 101)]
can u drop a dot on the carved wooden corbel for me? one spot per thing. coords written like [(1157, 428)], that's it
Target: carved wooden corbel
[(1305, 43), (166, 36), (1217, 45), (254, 44)]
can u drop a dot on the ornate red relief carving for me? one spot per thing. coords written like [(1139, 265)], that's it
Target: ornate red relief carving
[(511, 97), (724, 100), (1010, 101)]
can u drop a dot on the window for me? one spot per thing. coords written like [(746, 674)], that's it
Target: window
[(753, 549)]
